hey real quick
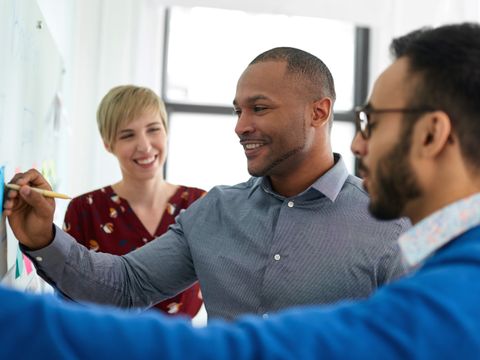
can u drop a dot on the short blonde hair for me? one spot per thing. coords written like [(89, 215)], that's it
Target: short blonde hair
[(124, 103)]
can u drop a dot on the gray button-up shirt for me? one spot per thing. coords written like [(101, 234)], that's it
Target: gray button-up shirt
[(252, 250)]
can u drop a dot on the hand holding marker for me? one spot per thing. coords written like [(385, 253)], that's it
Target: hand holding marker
[(47, 193)]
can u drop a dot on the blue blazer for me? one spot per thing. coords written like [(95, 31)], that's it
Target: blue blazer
[(433, 313)]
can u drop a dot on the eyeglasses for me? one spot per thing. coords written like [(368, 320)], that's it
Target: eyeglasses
[(362, 117)]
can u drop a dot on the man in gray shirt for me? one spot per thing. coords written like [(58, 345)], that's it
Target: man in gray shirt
[(298, 232)]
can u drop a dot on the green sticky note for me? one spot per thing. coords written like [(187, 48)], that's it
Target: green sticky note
[(19, 264)]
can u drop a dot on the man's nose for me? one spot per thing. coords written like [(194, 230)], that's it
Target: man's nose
[(244, 124), (359, 145)]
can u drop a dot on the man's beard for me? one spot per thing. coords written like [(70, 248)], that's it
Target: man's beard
[(271, 168), (396, 184)]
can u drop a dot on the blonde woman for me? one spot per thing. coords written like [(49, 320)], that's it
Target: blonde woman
[(121, 217)]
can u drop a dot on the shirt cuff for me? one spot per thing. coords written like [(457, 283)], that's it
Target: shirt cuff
[(53, 255)]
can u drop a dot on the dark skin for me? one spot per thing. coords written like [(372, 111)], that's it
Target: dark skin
[(283, 128), (29, 213)]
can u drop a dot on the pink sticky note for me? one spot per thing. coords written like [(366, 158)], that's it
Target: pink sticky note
[(28, 264)]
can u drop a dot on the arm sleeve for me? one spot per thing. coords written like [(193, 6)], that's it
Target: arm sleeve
[(398, 330), (152, 273)]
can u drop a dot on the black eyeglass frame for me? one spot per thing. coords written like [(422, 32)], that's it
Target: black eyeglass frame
[(362, 117)]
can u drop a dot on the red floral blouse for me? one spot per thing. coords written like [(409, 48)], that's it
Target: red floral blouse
[(103, 221)]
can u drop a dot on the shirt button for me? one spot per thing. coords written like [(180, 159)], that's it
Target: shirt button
[(290, 204), (265, 316), (39, 258), (276, 257)]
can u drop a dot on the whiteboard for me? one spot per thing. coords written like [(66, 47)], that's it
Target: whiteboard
[(31, 71)]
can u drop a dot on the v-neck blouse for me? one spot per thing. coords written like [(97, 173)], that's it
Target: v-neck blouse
[(103, 221)]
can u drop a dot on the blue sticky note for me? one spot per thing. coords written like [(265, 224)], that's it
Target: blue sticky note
[(2, 187)]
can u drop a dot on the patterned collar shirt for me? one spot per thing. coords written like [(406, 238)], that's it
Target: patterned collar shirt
[(252, 250), (439, 229)]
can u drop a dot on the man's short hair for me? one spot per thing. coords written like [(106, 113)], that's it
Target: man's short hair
[(312, 71), (445, 62)]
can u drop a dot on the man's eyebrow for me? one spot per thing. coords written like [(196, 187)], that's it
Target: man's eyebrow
[(252, 99)]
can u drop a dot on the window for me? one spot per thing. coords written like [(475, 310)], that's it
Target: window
[(207, 50), (204, 150)]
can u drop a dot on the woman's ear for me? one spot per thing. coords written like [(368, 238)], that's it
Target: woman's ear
[(107, 147)]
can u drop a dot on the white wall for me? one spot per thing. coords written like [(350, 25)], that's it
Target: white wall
[(109, 42), (402, 16), (104, 43)]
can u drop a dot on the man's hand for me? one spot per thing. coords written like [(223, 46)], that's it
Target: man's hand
[(29, 213)]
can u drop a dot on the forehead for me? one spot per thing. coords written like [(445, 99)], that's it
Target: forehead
[(393, 88), (266, 79), (146, 116)]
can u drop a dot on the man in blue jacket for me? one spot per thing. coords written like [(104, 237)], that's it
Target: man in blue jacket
[(417, 142)]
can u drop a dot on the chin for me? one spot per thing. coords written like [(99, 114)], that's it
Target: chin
[(255, 171)]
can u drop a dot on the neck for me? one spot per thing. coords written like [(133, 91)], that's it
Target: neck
[(146, 192), (299, 179), (442, 193)]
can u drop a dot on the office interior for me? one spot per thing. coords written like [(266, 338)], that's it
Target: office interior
[(192, 52)]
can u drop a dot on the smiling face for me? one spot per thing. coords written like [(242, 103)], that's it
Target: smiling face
[(140, 146), (385, 158), (272, 120)]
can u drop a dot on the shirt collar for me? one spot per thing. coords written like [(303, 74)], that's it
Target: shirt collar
[(438, 229), (329, 184)]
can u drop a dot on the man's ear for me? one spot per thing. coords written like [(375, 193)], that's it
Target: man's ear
[(434, 132), (322, 111)]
